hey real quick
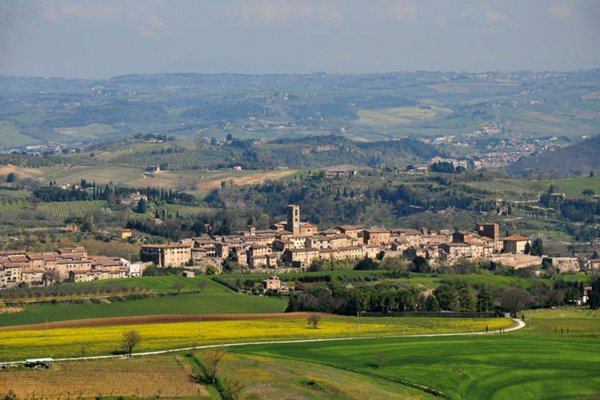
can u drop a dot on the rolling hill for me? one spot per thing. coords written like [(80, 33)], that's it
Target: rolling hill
[(577, 159)]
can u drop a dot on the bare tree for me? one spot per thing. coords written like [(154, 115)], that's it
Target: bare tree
[(178, 285), (379, 359), (50, 277), (130, 340), (232, 388), (201, 285), (515, 299), (314, 320), (213, 362)]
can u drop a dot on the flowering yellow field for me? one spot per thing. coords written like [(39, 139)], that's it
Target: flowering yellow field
[(73, 342)]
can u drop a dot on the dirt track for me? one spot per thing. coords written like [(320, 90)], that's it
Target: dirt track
[(157, 319)]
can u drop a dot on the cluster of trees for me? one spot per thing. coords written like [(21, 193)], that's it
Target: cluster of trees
[(66, 290), (356, 199), (112, 194), (594, 295), (447, 168), (454, 296), (536, 248), (156, 136), (578, 210)]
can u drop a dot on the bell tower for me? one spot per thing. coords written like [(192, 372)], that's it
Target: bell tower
[(293, 219)]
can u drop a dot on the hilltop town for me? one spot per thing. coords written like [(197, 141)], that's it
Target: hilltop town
[(290, 245), (294, 244)]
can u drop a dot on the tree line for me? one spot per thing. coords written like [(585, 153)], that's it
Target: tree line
[(451, 296)]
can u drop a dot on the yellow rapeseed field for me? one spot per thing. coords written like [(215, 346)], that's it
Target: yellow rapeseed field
[(74, 342)]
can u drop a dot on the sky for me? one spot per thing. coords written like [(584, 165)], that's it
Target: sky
[(100, 39)]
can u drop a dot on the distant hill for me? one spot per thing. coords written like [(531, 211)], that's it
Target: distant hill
[(306, 152), (326, 151), (576, 159), (369, 107)]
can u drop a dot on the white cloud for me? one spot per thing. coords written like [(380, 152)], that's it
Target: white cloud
[(152, 27), (441, 21), (80, 10), (398, 10), (274, 11), (560, 11), (495, 17), (404, 11)]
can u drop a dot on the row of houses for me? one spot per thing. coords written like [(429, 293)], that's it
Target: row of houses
[(294, 244), (73, 264)]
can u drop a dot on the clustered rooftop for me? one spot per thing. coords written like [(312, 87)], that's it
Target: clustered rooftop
[(294, 244), (71, 263)]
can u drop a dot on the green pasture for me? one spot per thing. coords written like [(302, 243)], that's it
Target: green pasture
[(10, 135), (92, 131), (64, 209), (573, 187), (533, 363), (214, 299), (400, 115)]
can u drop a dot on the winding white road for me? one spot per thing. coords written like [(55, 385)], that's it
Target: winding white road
[(520, 324)]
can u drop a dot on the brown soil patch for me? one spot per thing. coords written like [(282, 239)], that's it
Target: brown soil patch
[(138, 377), (246, 180), (158, 319), (21, 172)]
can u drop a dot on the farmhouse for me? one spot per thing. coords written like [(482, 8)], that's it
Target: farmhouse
[(515, 244)]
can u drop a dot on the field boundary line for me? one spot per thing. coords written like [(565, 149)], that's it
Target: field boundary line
[(520, 324)]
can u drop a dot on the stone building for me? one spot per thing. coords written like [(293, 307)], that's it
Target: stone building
[(515, 244), (167, 255)]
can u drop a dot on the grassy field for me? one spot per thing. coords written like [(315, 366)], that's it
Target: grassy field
[(533, 363), (64, 342), (148, 377), (273, 378), (65, 209), (429, 281), (215, 299), (92, 131), (573, 187), (399, 115), (11, 136)]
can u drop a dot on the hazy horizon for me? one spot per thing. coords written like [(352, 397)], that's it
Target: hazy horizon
[(102, 39)]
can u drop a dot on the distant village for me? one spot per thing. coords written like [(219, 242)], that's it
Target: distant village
[(293, 245), (289, 245), (20, 267)]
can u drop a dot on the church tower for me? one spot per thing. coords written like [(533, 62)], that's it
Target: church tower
[(293, 220)]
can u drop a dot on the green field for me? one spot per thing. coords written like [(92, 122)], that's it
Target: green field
[(533, 363), (400, 115), (274, 378), (11, 136), (64, 209), (215, 299), (430, 281), (573, 187), (92, 131)]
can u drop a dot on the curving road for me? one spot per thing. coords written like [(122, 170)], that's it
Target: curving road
[(520, 324)]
